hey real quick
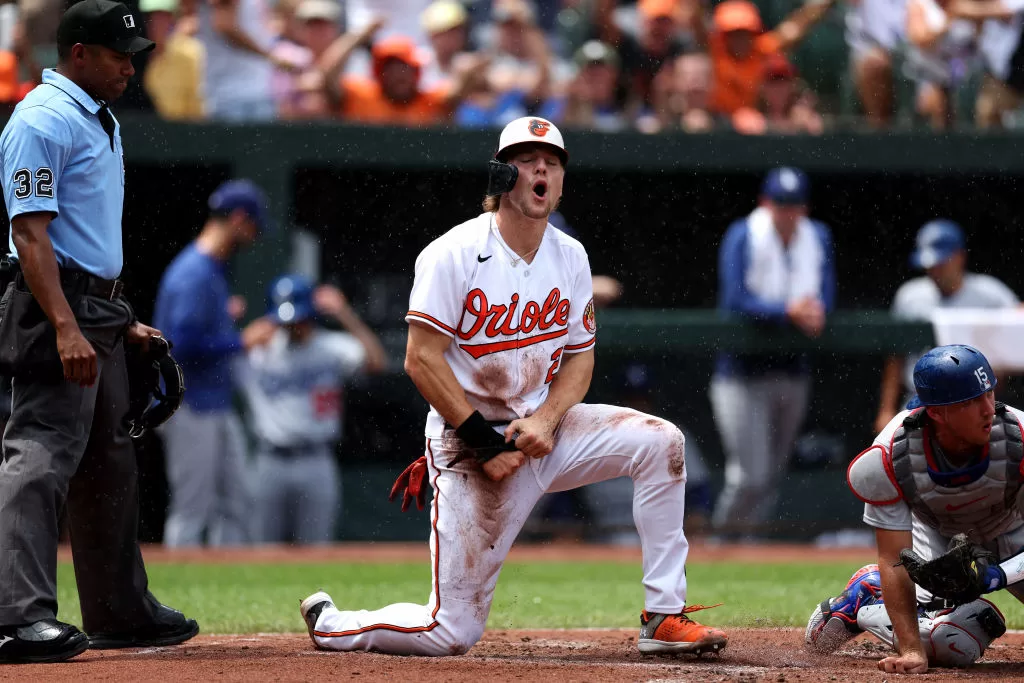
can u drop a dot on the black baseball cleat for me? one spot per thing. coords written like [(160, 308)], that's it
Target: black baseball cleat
[(44, 641), (171, 628)]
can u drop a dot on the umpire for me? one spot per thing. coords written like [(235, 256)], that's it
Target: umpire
[(63, 322)]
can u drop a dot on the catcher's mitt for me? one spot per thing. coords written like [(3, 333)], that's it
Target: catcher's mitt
[(156, 386), (962, 574)]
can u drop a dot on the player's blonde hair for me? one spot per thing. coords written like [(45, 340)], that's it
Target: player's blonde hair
[(492, 203)]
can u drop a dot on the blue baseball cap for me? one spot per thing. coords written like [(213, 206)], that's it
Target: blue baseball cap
[(245, 195), (951, 374), (936, 242), (786, 186)]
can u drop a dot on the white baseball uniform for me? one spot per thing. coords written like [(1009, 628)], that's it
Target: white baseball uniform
[(511, 323), (294, 395)]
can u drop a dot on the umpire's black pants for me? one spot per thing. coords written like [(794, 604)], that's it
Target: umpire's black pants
[(67, 444)]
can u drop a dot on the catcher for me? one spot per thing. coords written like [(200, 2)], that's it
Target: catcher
[(942, 486)]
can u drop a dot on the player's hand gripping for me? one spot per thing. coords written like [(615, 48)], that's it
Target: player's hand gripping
[(534, 436), (914, 662), (76, 355), (503, 465), (412, 482)]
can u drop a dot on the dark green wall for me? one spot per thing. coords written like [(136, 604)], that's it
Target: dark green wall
[(650, 211)]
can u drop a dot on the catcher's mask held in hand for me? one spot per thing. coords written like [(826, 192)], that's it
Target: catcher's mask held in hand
[(156, 386)]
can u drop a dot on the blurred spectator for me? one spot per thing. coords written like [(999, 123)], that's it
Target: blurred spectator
[(593, 103), (446, 24), (874, 30), (394, 94), (786, 105), (776, 268), (515, 75), (660, 38), (174, 73), (39, 19), (683, 97), (312, 28), (293, 387), (19, 70), (942, 54), (237, 39), (396, 18), (740, 49), (204, 441), (941, 251), (521, 59), (1003, 52)]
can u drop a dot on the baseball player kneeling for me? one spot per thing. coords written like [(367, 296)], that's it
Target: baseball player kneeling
[(941, 484), (501, 344)]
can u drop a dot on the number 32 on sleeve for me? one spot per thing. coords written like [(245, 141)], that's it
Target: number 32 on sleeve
[(43, 183)]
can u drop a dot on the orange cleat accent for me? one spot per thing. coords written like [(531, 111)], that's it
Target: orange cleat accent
[(678, 634)]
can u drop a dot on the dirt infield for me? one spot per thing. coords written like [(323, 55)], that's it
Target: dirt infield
[(753, 655), (774, 655)]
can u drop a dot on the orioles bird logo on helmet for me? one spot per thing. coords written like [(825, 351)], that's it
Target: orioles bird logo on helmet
[(539, 128)]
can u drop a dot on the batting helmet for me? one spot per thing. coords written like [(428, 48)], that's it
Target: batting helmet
[(290, 299), (952, 374), (502, 175)]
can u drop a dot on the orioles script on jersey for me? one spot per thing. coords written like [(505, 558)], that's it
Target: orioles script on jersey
[(511, 324), (500, 320)]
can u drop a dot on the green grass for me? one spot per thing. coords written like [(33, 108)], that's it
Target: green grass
[(265, 597)]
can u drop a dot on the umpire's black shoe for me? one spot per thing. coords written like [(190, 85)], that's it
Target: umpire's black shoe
[(171, 628), (45, 641)]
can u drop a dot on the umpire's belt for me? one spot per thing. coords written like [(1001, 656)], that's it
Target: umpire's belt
[(81, 281)]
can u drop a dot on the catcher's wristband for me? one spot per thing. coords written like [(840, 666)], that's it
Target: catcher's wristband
[(481, 437)]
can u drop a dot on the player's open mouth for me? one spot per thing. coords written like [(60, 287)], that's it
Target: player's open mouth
[(540, 188)]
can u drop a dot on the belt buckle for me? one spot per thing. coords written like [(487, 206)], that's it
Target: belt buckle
[(116, 290)]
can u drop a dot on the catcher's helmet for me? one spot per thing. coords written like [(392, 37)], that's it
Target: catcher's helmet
[(290, 299), (502, 175), (952, 374)]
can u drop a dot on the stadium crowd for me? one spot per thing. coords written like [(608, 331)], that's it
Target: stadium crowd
[(608, 65)]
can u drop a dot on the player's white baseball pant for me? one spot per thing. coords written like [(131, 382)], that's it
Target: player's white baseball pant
[(475, 521)]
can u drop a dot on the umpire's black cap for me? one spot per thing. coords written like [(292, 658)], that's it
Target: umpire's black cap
[(102, 22)]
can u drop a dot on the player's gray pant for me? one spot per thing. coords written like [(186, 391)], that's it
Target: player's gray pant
[(297, 495), (206, 470), (757, 419), (66, 444)]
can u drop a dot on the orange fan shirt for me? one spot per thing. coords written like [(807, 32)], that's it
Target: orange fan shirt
[(364, 102), (738, 82)]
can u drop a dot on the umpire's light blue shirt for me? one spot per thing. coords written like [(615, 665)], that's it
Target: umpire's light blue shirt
[(56, 157)]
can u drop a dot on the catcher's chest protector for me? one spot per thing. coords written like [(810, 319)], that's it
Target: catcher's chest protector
[(984, 508)]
